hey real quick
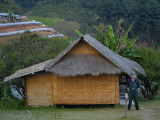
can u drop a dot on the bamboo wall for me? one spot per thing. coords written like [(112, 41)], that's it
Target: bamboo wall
[(48, 89), (39, 90)]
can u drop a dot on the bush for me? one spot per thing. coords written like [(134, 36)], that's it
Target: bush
[(150, 61), (12, 104)]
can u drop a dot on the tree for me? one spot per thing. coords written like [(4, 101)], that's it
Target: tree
[(6, 5), (10, 16), (144, 14), (117, 40)]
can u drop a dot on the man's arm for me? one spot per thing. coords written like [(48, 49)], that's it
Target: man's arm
[(128, 89), (128, 84), (138, 85)]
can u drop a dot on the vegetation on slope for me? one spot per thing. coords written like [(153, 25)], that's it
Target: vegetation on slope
[(144, 14), (50, 22)]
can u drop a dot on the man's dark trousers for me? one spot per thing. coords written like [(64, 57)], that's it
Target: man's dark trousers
[(133, 94)]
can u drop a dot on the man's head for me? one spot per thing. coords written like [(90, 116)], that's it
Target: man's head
[(133, 76)]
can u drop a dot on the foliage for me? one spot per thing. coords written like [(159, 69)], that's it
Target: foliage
[(50, 22), (12, 104), (30, 49), (79, 33), (158, 96), (150, 89), (117, 40), (6, 5), (143, 14), (2, 69), (10, 16), (151, 64), (5, 92)]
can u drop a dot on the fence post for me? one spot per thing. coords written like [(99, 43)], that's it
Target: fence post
[(126, 104)]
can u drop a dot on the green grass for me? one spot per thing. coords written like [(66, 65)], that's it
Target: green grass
[(149, 111), (16, 110), (50, 22)]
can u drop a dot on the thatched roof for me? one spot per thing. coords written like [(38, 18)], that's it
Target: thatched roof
[(26, 71), (126, 65), (72, 65)]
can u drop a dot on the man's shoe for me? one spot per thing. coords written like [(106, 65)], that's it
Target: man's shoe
[(129, 108), (137, 108)]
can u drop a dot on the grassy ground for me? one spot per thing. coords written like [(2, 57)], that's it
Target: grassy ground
[(150, 110), (50, 22)]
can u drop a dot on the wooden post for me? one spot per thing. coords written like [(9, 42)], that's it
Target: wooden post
[(26, 97), (126, 101), (115, 91)]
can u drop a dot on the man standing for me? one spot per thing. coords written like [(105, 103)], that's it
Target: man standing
[(133, 87)]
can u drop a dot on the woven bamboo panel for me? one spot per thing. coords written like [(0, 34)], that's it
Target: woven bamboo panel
[(86, 90), (83, 48), (39, 90), (49, 89)]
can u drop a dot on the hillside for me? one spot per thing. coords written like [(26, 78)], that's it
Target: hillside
[(21, 24), (144, 14)]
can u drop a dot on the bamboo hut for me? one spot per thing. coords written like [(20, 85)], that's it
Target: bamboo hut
[(86, 72)]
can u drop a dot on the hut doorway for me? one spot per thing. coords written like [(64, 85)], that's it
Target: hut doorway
[(123, 78)]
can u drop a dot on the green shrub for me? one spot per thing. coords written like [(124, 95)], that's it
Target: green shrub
[(150, 61), (12, 104)]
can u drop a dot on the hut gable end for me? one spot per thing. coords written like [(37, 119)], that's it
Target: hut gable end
[(83, 48)]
